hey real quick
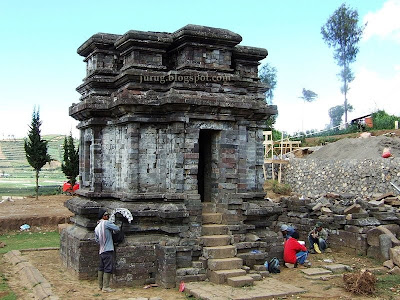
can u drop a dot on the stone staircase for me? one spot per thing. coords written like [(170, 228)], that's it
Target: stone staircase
[(222, 264)]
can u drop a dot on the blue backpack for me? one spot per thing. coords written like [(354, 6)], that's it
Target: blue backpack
[(273, 266)]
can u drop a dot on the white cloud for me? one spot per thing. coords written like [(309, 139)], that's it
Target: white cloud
[(370, 92), (384, 23)]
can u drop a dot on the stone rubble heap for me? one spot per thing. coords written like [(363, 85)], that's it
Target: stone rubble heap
[(363, 177)]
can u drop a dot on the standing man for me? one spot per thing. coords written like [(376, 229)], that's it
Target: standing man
[(103, 236)]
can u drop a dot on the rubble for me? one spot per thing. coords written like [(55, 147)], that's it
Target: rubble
[(354, 223)]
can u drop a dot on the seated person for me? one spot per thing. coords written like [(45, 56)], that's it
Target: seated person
[(294, 253), (317, 238), (287, 231)]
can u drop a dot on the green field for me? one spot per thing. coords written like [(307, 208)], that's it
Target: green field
[(17, 178)]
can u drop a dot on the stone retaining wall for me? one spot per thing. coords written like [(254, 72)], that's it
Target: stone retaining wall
[(347, 219), (358, 177)]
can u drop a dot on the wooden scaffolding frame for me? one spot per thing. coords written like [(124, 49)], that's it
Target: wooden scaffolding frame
[(284, 146)]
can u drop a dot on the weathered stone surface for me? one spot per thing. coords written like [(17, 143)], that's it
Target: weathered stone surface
[(317, 206), (316, 271), (326, 210), (337, 268), (385, 243), (224, 264), (395, 270), (240, 281), (220, 276), (219, 251), (355, 208), (215, 240), (252, 237), (374, 233), (211, 229), (395, 255), (388, 264), (370, 221), (255, 276)]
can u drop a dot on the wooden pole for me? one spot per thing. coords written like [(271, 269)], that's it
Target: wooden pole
[(280, 165)]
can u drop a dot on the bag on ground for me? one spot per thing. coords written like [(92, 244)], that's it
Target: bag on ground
[(274, 266)]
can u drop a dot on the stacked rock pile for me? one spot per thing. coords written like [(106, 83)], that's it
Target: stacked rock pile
[(348, 219)]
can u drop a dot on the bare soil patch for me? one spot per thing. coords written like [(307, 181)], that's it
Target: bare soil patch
[(358, 148), (66, 285), (46, 213)]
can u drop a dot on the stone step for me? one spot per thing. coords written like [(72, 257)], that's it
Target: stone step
[(214, 229), (190, 278), (209, 207), (189, 271), (240, 281), (212, 218), (219, 252), (220, 276), (255, 276), (215, 240), (338, 268), (224, 263)]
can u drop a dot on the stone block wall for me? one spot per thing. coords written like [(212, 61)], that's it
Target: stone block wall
[(348, 218), (358, 177)]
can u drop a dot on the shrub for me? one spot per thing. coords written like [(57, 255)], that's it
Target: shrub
[(382, 120), (281, 188)]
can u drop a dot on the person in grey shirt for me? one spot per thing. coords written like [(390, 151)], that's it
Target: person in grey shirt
[(103, 236)]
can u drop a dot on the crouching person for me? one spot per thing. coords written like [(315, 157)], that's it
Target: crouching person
[(317, 238), (294, 253), (103, 236)]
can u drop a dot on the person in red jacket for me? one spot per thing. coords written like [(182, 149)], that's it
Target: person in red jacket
[(294, 253)]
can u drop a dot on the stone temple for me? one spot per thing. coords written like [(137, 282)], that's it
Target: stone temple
[(171, 129)]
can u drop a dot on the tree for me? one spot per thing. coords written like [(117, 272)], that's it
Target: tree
[(343, 34), (268, 76), (336, 114), (36, 148), (70, 165), (308, 95)]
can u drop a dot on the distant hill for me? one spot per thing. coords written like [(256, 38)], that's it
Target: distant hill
[(13, 160)]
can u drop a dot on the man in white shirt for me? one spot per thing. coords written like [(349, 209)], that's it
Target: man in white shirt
[(103, 236)]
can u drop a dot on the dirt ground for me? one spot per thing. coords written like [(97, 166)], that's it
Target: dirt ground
[(46, 213), (66, 286)]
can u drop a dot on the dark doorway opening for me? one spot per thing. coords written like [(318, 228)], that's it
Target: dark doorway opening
[(204, 175)]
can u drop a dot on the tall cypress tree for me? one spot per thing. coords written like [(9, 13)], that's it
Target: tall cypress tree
[(70, 165), (36, 148)]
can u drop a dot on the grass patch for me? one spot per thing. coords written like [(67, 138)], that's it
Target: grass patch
[(5, 292), (26, 240), (280, 188), (30, 191), (388, 285)]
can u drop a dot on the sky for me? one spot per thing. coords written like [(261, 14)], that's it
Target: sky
[(40, 66)]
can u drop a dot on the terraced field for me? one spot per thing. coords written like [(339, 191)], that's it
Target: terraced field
[(17, 176)]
